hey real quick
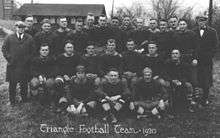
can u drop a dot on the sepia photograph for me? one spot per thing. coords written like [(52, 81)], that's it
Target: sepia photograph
[(110, 69)]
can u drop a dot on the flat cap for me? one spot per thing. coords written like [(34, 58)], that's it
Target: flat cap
[(20, 24)]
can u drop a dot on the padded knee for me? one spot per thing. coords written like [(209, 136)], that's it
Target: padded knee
[(106, 106), (50, 83), (91, 104), (59, 82), (34, 83)]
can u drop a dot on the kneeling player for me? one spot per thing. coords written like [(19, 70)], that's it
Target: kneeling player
[(81, 95), (114, 94), (42, 83), (150, 97)]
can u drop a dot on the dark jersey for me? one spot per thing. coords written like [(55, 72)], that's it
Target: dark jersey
[(80, 40), (131, 61), (82, 91), (58, 43), (91, 63), (43, 37), (67, 65), (42, 66), (177, 71), (109, 89), (147, 90), (108, 61), (155, 63)]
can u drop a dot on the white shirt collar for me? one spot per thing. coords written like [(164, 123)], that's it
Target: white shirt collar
[(22, 35), (201, 32)]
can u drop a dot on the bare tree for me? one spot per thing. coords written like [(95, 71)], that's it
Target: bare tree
[(165, 8), (136, 10)]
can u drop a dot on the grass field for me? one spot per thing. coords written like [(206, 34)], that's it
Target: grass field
[(24, 120)]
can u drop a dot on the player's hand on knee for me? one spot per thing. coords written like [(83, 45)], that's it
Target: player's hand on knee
[(118, 106), (131, 106), (140, 110), (91, 104), (106, 106), (194, 62)]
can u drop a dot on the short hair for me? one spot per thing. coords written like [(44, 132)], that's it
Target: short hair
[(182, 19), (44, 44), (147, 69), (111, 41), (29, 15), (68, 41), (175, 49), (173, 16), (152, 42), (62, 17), (90, 14), (130, 39), (153, 19), (126, 16), (80, 68), (162, 20), (45, 20), (102, 15), (79, 20), (114, 18), (89, 43), (113, 69)]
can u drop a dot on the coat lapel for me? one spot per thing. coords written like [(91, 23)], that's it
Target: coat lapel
[(205, 33)]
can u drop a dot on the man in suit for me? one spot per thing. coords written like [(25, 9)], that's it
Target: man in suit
[(207, 41), (18, 50)]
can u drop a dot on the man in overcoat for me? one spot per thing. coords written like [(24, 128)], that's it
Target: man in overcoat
[(18, 49), (207, 41)]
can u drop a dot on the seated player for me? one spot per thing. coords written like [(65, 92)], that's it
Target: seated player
[(131, 62), (149, 96), (91, 62), (177, 75), (153, 60), (111, 58), (66, 64), (82, 93), (42, 74), (113, 94)]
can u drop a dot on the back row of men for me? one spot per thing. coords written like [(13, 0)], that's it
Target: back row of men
[(102, 50)]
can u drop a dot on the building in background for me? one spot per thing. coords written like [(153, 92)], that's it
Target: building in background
[(54, 11), (6, 9)]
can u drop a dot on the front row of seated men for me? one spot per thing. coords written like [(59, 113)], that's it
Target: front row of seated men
[(93, 84)]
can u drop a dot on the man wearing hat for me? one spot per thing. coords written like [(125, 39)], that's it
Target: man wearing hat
[(207, 41), (18, 50)]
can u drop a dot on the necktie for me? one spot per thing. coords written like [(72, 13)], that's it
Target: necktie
[(19, 37)]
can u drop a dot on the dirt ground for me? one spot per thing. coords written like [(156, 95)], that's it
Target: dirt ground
[(25, 120)]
